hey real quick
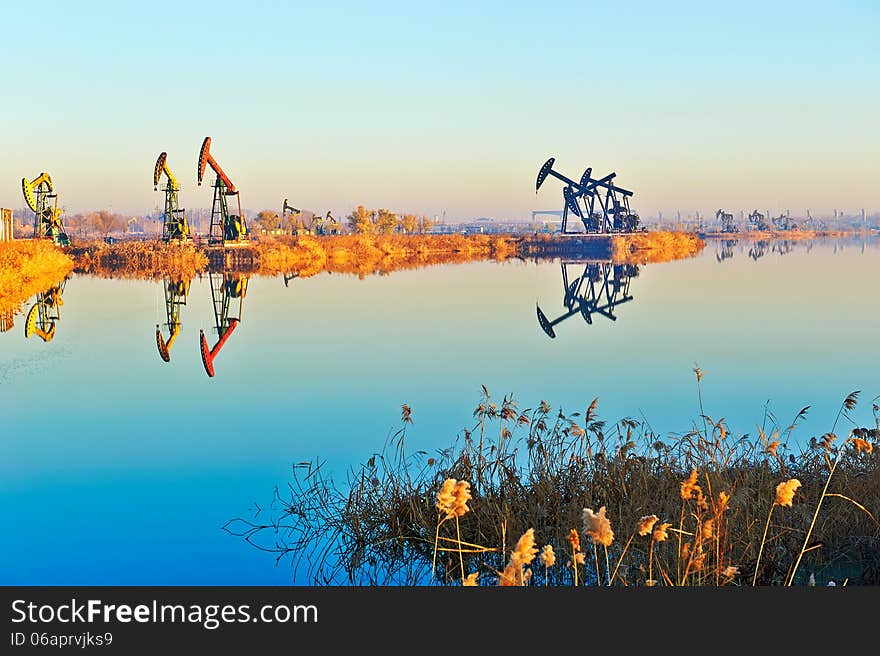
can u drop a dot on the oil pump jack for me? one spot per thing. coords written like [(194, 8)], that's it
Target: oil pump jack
[(174, 224), (608, 212), (784, 222), (598, 290), (226, 229), (176, 292), (40, 196), (332, 226), (293, 212), (758, 221), (42, 317), (726, 221), (226, 288)]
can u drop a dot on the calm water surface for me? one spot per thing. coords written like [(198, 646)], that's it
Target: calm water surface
[(121, 468)]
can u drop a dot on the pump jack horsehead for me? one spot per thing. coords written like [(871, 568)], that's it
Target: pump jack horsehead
[(174, 224), (226, 229), (601, 212), (726, 221), (47, 218), (176, 292), (226, 288), (294, 211)]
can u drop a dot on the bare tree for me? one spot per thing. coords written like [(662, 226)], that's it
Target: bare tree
[(104, 222)]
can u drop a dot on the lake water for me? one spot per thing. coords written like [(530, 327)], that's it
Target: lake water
[(121, 468)]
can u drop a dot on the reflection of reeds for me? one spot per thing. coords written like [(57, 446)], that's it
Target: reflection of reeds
[(28, 267), (369, 254), (151, 260), (383, 527), (656, 246), (361, 255)]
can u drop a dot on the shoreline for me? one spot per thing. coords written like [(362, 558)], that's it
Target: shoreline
[(364, 255), (28, 267)]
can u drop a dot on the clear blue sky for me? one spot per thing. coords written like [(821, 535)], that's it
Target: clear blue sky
[(432, 107)]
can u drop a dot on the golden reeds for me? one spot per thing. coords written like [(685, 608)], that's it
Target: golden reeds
[(646, 524), (548, 560), (598, 528), (452, 499), (848, 403), (784, 497), (655, 246), (724, 491), (577, 556), (522, 555), (28, 267)]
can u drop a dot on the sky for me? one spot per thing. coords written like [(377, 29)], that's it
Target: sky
[(446, 109)]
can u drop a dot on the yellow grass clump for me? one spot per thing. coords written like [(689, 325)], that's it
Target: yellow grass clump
[(151, 260), (655, 246), (28, 267), (363, 255)]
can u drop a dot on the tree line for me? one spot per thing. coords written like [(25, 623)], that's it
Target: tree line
[(361, 221)]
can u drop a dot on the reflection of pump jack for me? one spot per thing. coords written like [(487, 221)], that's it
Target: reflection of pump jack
[(47, 217), (45, 312), (726, 250), (758, 250), (226, 229), (783, 247), (176, 292), (226, 287), (174, 223), (598, 290)]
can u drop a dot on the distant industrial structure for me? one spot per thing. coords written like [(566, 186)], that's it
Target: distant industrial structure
[(726, 221), (485, 226)]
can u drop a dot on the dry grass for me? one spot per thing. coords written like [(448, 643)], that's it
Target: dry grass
[(659, 246), (151, 260), (618, 504), (364, 255), (27, 267), (360, 255)]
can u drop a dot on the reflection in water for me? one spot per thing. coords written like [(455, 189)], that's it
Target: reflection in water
[(7, 320), (757, 249), (176, 292), (230, 461), (725, 249), (226, 288), (597, 290), (783, 247), (46, 311)]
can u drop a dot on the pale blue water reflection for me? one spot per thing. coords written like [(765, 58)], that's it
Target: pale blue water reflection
[(120, 467)]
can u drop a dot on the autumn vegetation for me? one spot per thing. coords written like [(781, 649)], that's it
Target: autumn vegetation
[(139, 259), (28, 267), (540, 497), (364, 254), (367, 241), (656, 246), (357, 254)]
